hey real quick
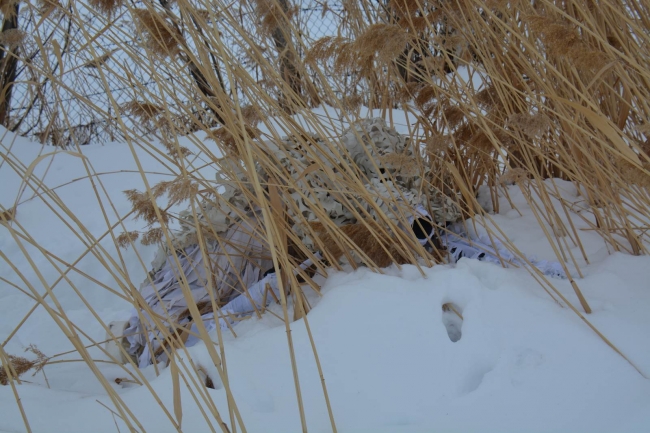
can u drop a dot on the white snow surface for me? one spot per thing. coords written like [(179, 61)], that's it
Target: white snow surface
[(523, 363)]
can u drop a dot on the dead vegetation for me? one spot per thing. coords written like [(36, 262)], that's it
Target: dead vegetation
[(18, 365), (559, 91)]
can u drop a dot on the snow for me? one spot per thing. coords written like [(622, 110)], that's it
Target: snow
[(523, 361)]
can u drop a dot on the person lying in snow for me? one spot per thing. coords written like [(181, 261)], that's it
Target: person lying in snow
[(231, 269), (235, 271), (235, 262)]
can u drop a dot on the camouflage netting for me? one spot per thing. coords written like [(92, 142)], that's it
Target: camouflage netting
[(369, 147)]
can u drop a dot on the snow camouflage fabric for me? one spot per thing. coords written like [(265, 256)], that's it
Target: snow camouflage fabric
[(370, 146)]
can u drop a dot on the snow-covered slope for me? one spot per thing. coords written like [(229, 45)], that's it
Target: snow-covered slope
[(522, 363)]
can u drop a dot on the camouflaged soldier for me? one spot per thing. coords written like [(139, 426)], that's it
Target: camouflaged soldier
[(384, 162)]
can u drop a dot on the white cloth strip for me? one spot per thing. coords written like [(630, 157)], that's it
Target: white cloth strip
[(460, 244)]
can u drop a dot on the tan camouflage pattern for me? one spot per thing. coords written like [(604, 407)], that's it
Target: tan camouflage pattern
[(369, 145)]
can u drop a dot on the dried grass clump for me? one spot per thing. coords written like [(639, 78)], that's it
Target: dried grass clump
[(426, 98), (563, 40), (405, 8), (204, 14), (152, 237), (107, 7), (351, 103), (338, 48), (160, 37), (272, 17), (12, 38), (177, 190), (381, 42), (514, 176), (181, 190), (635, 175), (161, 188), (487, 98), (228, 140), (252, 115), (145, 111), (179, 152), (437, 143), (386, 41), (20, 365), (100, 61), (533, 125), (413, 24), (323, 49), (506, 139), (175, 150), (47, 8), (8, 215), (453, 43), (144, 208), (454, 116), (481, 142), (125, 239)]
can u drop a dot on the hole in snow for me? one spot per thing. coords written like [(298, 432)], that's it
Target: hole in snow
[(452, 318)]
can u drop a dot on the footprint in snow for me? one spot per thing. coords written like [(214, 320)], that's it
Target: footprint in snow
[(452, 318)]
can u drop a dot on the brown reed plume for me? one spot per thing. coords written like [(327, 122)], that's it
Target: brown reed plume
[(152, 236), (145, 111), (144, 207), (12, 37), (108, 7), (21, 365), (125, 239), (160, 36)]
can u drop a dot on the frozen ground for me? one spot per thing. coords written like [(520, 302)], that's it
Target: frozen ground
[(520, 362)]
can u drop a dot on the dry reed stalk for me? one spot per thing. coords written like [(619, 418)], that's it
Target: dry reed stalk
[(277, 206)]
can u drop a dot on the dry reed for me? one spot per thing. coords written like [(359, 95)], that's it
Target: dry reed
[(20, 365), (564, 95), (108, 7)]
